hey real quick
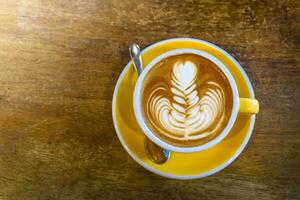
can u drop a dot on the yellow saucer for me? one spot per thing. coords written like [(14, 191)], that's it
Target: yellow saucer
[(181, 166)]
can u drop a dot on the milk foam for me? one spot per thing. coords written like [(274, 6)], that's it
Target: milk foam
[(184, 114)]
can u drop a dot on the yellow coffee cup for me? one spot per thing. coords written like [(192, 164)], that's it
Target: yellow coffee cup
[(243, 105)]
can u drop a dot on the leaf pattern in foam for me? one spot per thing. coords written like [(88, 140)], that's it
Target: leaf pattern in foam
[(186, 116)]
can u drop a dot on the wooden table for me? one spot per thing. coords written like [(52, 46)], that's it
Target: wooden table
[(60, 60)]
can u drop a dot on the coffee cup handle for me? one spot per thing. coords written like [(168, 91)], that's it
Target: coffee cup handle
[(248, 105)]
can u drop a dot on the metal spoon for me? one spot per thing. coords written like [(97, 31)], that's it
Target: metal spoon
[(154, 152)]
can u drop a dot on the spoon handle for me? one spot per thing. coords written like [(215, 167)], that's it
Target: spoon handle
[(135, 54)]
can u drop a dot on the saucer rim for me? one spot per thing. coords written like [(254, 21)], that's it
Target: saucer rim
[(170, 175)]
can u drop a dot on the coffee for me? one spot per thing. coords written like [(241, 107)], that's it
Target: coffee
[(186, 100)]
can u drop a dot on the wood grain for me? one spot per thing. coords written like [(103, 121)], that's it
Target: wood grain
[(59, 62)]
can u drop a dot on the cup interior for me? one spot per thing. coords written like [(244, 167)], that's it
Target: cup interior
[(152, 136)]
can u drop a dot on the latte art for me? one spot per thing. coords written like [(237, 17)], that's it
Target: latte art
[(189, 106), (186, 114)]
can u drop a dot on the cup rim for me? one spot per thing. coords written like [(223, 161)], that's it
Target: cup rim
[(152, 136)]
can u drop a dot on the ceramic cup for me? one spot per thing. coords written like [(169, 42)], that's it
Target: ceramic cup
[(244, 105)]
